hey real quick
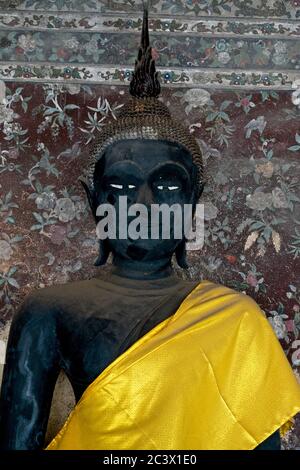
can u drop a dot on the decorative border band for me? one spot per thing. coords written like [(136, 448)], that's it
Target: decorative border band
[(65, 21), (121, 75), (233, 8)]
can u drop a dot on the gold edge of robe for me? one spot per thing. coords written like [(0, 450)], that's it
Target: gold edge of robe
[(211, 376)]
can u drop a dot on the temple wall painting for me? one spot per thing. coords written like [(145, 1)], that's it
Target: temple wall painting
[(230, 70)]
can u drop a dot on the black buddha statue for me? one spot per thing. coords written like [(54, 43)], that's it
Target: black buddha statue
[(82, 327)]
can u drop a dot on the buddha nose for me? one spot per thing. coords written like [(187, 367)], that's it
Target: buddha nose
[(144, 195)]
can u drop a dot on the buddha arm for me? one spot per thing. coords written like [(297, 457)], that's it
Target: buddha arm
[(271, 443), (29, 377)]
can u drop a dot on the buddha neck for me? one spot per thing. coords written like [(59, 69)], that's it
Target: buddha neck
[(132, 269)]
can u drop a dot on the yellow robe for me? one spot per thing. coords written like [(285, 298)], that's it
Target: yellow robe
[(211, 376)]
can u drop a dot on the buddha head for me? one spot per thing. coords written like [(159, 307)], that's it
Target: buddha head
[(149, 157)]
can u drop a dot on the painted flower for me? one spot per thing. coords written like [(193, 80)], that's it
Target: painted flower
[(6, 114), (296, 93), (257, 124), (72, 44), (80, 208), (266, 80), (11, 167), (279, 199), (58, 234), (46, 201), (27, 42), (278, 326), (251, 280), (237, 79), (9, 19), (289, 325), (67, 74), (267, 28), (245, 101), (65, 209), (280, 47), (5, 250), (231, 259), (221, 45), (266, 52), (73, 89), (210, 211), (62, 53), (196, 97), (224, 57), (265, 169), (13, 153), (40, 147), (2, 91), (279, 59), (259, 201), (10, 127), (296, 354), (92, 46), (296, 98)]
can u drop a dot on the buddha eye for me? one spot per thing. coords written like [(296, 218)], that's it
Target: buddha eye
[(121, 186), (169, 188)]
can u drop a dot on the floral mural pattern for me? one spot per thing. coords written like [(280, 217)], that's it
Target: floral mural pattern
[(111, 22), (255, 8), (188, 51)]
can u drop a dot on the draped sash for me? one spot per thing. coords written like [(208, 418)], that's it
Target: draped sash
[(211, 376)]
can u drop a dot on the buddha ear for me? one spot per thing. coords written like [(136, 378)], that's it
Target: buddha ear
[(104, 248), (201, 188), (91, 195), (197, 195), (104, 251), (180, 254)]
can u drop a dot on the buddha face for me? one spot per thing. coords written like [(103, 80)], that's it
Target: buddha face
[(147, 172)]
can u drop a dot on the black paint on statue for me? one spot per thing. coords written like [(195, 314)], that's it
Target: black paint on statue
[(80, 327)]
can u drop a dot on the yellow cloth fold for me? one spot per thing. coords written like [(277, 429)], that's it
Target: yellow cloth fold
[(211, 376)]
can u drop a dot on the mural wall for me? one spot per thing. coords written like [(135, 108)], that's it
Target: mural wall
[(229, 70)]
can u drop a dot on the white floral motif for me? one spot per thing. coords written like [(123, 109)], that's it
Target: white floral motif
[(196, 97), (72, 44), (278, 326), (27, 42), (6, 114), (65, 209), (296, 93), (5, 250), (224, 57)]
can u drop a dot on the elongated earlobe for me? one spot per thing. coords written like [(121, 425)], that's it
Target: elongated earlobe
[(180, 254), (91, 195), (103, 255), (104, 249)]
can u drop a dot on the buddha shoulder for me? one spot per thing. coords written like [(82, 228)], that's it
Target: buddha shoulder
[(46, 303), (225, 300)]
